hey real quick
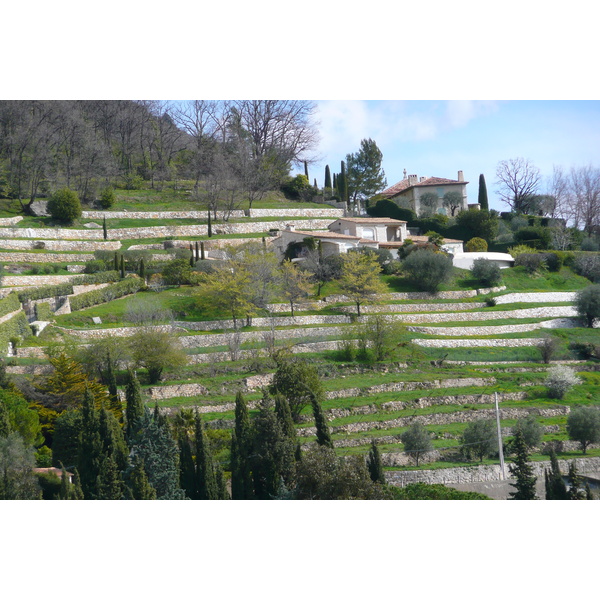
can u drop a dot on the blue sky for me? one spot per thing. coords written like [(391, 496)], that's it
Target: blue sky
[(438, 138)]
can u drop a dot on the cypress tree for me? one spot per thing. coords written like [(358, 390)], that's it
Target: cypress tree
[(284, 414), (109, 484), (122, 266), (575, 486), (104, 230), (525, 484), (482, 198), (209, 225), (343, 183), (90, 448), (139, 485), (142, 269), (116, 262), (192, 262), (202, 254), (306, 170), (113, 391), (327, 177), (187, 470), (555, 485), (323, 435), (76, 491), (335, 187), (197, 252), (113, 441), (65, 485), (134, 405), (206, 484), (375, 465), (241, 442)]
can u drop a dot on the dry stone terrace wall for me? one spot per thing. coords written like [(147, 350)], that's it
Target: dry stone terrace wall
[(43, 257), (265, 322), (454, 295), (159, 231), (491, 343), (253, 213), (59, 245), (9, 221), (479, 473)]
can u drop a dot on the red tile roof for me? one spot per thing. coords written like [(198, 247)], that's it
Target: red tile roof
[(405, 184), (371, 220)]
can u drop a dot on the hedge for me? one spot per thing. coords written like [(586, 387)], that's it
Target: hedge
[(100, 277), (18, 326), (129, 285), (9, 304), (46, 291)]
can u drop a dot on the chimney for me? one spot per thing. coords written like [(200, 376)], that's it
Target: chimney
[(422, 178), (289, 227), (412, 179), (461, 176)]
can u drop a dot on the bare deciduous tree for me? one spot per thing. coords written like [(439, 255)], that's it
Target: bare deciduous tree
[(518, 180)]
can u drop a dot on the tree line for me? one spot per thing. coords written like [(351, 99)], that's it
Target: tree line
[(88, 145)]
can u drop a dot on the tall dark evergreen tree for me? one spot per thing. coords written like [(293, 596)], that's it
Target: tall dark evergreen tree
[(522, 470), (206, 483), (154, 444), (139, 487), (113, 390), (555, 485), (343, 183), (122, 266), (134, 405), (327, 183), (5, 427), (576, 489), (65, 485), (104, 229), (375, 465), (209, 225), (76, 491), (113, 440), (90, 452), (241, 447), (482, 197), (187, 468), (323, 435), (306, 170), (110, 483)]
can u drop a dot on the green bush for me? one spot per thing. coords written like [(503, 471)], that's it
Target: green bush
[(554, 261), (536, 237), (427, 270), (9, 304), (43, 312), (476, 244), (486, 271), (388, 208), (298, 188), (532, 262), (46, 291), (64, 206), (17, 327), (107, 197), (94, 266)]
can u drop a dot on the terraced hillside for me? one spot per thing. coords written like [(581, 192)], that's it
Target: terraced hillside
[(451, 355)]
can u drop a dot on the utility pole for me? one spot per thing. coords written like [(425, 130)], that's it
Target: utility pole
[(500, 451)]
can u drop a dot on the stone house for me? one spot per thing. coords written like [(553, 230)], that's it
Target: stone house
[(408, 192), (378, 229)]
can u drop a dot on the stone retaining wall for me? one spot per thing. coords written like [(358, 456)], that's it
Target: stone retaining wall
[(176, 391), (491, 343), (9, 221), (454, 295), (440, 419), (253, 213), (479, 473), (44, 257), (411, 308), (265, 322), (56, 233), (36, 280), (536, 297), (59, 245)]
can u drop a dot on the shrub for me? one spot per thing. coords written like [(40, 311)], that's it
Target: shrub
[(560, 380), (514, 251), (486, 271), (129, 285), (590, 245), (587, 304), (553, 260), (547, 348), (107, 197), (64, 205), (583, 426), (388, 208), (533, 263), (537, 237), (476, 244), (588, 265), (298, 188), (428, 270), (94, 266)]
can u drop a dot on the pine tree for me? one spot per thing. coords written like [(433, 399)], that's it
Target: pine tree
[(375, 465), (323, 435), (522, 470), (134, 405), (206, 484), (555, 485), (139, 485), (241, 442), (90, 448), (109, 484), (482, 198)]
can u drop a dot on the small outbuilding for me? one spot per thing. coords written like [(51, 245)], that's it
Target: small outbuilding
[(465, 260)]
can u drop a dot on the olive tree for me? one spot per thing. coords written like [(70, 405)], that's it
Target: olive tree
[(587, 304), (583, 426)]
